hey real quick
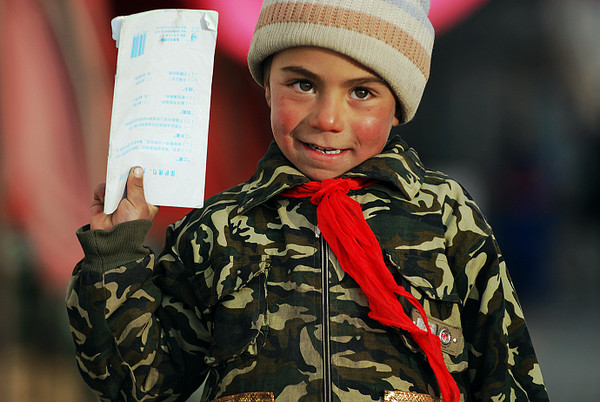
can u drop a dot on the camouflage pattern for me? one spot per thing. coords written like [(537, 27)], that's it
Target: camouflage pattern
[(248, 296)]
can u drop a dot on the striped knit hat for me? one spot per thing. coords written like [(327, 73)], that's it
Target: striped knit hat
[(393, 38)]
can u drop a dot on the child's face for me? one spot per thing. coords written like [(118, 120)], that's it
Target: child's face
[(328, 112)]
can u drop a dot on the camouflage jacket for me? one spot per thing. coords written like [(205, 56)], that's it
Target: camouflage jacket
[(248, 297)]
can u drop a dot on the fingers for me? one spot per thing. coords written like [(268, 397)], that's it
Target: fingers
[(98, 199), (99, 193), (97, 218)]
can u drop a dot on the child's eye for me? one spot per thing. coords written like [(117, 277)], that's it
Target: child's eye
[(303, 86), (361, 93)]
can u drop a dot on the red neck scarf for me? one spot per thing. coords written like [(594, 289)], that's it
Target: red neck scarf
[(345, 229)]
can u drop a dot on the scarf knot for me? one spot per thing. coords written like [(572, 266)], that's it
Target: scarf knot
[(317, 190), (328, 187), (342, 224)]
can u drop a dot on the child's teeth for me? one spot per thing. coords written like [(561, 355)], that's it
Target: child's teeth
[(326, 151)]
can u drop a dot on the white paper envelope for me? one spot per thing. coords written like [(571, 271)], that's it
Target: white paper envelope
[(161, 105)]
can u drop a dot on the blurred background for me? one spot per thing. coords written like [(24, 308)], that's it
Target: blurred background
[(512, 110)]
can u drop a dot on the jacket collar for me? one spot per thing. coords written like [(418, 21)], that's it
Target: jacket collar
[(397, 165)]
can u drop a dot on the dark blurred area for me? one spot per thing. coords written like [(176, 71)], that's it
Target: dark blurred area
[(512, 110)]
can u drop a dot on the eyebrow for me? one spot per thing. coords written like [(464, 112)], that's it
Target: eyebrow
[(351, 83), (301, 71)]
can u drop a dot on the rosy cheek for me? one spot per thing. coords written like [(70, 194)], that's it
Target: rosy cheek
[(283, 119), (374, 128)]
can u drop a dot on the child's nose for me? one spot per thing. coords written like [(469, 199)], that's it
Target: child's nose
[(328, 114)]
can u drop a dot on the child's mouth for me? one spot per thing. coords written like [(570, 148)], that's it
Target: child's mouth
[(325, 151)]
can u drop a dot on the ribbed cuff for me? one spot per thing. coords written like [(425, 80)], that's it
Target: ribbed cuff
[(108, 249)]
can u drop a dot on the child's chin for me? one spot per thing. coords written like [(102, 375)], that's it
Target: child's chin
[(322, 174)]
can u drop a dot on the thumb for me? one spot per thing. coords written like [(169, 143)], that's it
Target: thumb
[(134, 206), (135, 186)]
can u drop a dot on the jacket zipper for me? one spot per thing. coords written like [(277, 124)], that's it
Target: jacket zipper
[(327, 392)]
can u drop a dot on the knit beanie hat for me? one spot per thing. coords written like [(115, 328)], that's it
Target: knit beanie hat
[(393, 38)]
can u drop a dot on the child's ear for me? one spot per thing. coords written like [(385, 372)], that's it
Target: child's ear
[(397, 115), (268, 94)]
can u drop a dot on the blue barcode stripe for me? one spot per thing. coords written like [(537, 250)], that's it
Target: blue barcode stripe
[(134, 47), (143, 44), (139, 43)]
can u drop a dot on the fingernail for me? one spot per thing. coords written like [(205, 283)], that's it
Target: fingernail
[(138, 172)]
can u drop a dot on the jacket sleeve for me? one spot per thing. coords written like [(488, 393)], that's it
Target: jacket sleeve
[(502, 361), (137, 334)]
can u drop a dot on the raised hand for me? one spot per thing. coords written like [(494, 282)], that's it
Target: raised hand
[(132, 207)]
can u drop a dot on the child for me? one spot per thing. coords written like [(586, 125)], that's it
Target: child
[(342, 270)]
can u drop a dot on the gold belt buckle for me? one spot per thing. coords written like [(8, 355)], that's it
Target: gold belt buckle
[(248, 397), (403, 396)]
